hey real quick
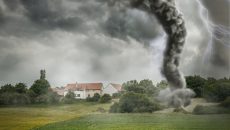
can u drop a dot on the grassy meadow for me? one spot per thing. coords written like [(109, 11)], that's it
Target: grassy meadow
[(28, 117), (173, 121), (88, 116)]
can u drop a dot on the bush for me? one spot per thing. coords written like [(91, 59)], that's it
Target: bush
[(217, 92), (226, 103), (95, 98), (105, 98), (200, 110), (117, 95), (14, 99), (69, 98), (134, 103)]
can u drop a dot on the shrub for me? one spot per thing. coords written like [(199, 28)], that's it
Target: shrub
[(134, 103), (69, 97), (95, 98), (218, 91), (14, 99), (117, 95), (105, 98)]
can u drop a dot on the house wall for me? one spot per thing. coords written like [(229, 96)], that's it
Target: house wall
[(79, 94), (110, 90)]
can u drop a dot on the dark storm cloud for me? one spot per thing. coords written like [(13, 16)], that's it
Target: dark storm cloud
[(134, 23), (50, 13), (11, 4), (88, 40)]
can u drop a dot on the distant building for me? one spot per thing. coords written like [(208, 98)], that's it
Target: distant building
[(112, 88), (60, 91), (84, 90)]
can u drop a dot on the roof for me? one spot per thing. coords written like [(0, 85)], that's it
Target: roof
[(84, 86), (90, 86), (117, 86)]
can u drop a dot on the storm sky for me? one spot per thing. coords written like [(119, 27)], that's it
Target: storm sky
[(101, 40)]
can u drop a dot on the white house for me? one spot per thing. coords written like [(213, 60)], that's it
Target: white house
[(112, 88), (84, 90)]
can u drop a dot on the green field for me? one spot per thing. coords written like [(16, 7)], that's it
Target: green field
[(84, 116), (28, 117), (173, 121)]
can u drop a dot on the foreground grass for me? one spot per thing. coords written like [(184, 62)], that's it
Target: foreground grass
[(28, 117), (143, 122)]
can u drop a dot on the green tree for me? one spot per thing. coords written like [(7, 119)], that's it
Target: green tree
[(162, 85), (197, 84), (20, 88), (105, 98), (40, 86), (133, 86), (69, 97), (7, 88), (148, 86)]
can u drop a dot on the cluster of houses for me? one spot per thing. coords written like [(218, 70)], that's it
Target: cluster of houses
[(84, 90)]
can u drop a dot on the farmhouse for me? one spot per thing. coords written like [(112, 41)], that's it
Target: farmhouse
[(84, 90), (112, 88)]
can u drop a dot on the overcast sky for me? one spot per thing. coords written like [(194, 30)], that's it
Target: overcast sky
[(100, 40)]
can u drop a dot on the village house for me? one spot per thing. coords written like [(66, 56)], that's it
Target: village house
[(84, 90), (112, 88)]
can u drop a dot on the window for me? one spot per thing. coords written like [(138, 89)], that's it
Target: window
[(78, 95)]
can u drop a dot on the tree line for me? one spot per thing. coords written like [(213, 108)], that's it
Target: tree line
[(141, 96)]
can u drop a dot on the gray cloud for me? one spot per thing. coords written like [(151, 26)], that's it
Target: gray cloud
[(89, 41)]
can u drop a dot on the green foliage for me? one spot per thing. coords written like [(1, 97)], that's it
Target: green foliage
[(133, 86), (162, 85), (144, 86), (20, 88), (117, 95), (196, 83), (48, 98), (148, 86), (217, 91), (105, 98), (69, 97), (14, 99), (8, 88), (10, 95), (134, 103), (137, 98), (40, 87), (96, 97)]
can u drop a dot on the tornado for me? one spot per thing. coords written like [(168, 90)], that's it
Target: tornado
[(174, 26)]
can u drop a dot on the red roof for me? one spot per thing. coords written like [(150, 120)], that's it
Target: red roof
[(117, 86), (84, 86)]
